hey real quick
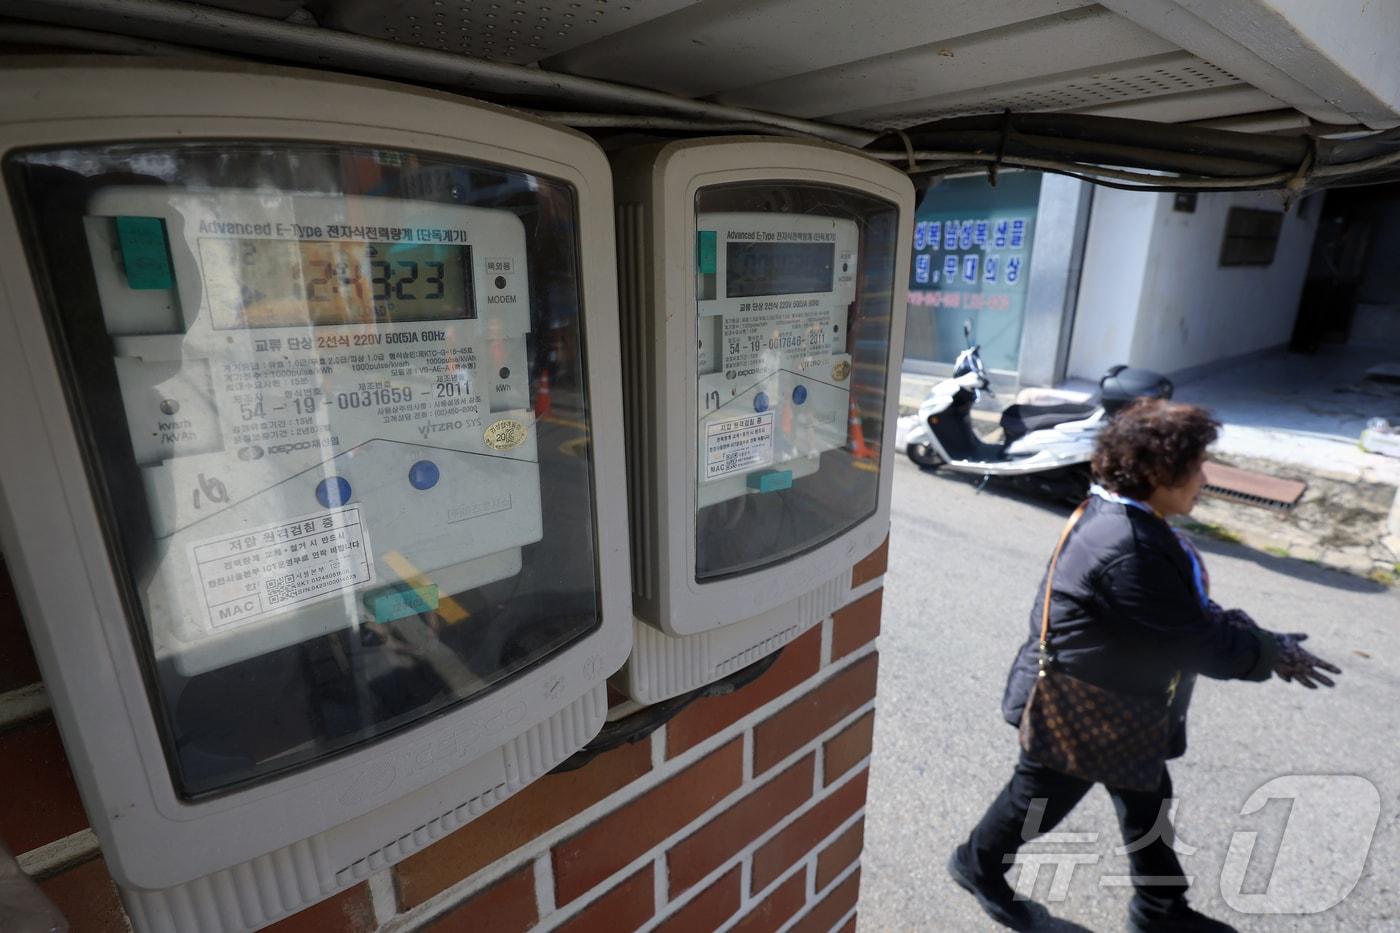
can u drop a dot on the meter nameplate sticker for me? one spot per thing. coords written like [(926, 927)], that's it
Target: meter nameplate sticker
[(738, 444), (506, 434), (786, 333), (333, 351), (270, 570)]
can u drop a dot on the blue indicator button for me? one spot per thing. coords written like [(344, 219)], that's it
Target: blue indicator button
[(333, 491), (760, 402), (799, 395), (423, 474)]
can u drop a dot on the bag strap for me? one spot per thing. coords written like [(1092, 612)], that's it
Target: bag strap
[(1050, 578), (1044, 660)]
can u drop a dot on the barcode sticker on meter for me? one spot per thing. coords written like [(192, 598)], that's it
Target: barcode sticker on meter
[(273, 569), (738, 444)]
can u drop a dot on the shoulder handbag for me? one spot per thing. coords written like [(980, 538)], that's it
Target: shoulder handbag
[(1087, 731)]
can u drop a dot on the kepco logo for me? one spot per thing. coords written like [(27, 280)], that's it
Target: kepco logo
[(250, 453), (299, 445)]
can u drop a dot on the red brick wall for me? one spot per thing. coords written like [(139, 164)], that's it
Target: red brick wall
[(745, 810)]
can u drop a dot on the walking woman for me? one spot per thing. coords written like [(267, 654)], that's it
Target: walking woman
[(1101, 687)]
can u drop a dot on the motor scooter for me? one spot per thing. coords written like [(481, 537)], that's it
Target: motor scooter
[(1045, 449)]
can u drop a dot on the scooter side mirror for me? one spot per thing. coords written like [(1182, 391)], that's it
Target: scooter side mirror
[(967, 331)]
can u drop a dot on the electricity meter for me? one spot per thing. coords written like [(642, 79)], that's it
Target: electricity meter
[(317, 538), (763, 321), (299, 370)]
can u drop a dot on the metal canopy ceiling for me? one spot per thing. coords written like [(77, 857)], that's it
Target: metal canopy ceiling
[(884, 64)]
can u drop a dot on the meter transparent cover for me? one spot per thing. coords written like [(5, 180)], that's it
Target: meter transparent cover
[(334, 410), (794, 288)]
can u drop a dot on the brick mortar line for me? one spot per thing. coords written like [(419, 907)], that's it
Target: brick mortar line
[(751, 900), (660, 886), (814, 903), (544, 885), (659, 851), (382, 898), (658, 749), (440, 903), (865, 589), (443, 901), (744, 856), (830, 732), (748, 902), (850, 821), (50, 859), (22, 705), (823, 675)]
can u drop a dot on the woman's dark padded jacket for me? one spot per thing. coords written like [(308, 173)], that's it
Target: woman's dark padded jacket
[(1125, 615)]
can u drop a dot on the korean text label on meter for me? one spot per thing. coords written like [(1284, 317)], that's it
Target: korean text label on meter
[(316, 389), (774, 296)]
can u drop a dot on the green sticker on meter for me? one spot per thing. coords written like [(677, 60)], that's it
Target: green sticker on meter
[(144, 255), (705, 249), (399, 602), (770, 481)]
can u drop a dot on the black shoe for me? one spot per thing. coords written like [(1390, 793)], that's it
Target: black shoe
[(1180, 918), (995, 896)]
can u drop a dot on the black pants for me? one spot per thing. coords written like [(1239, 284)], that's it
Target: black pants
[(1158, 879)]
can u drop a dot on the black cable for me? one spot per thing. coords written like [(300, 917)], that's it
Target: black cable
[(642, 723), (960, 132), (1077, 142)]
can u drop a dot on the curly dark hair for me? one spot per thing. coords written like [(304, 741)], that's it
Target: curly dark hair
[(1151, 444)]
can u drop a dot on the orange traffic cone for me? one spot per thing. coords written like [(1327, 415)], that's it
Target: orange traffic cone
[(542, 402), (858, 446)]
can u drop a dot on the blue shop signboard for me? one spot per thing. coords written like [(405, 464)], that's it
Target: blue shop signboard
[(972, 256)]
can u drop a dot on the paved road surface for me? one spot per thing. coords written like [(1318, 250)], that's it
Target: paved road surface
[(963, 568)]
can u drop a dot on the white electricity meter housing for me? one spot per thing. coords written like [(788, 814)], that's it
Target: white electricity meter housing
[(762, 289), (319, 544)]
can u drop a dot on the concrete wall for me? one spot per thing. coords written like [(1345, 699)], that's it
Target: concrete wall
[(1193, 310), (1056, 265), (1155, 295), (1110, 287)]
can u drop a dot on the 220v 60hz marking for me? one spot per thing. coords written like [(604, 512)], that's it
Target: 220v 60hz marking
[(332, 341)]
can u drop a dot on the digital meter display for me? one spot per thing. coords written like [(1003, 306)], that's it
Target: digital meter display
[(285, 283), (307, 375), (778, 268)]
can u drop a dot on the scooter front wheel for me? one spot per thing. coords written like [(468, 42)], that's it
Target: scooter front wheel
[(923, 456)]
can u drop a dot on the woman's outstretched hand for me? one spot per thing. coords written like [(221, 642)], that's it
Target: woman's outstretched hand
[(1295, 663)]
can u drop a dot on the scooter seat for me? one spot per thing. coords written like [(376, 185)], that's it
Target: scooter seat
[(1019, 420)]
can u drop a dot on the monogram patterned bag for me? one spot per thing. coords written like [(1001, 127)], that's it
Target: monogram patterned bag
[(1087, 731)]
